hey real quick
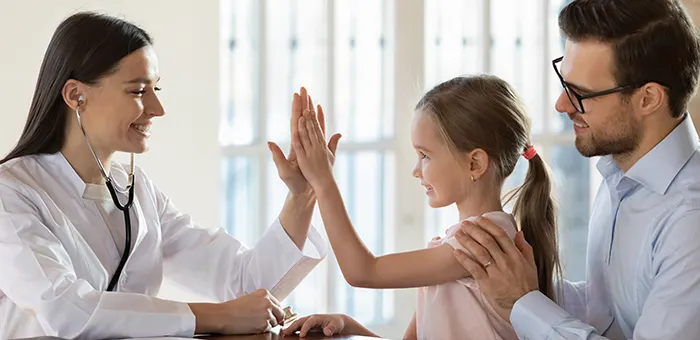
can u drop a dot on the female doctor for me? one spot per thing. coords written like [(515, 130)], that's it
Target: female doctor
[(85, 242)]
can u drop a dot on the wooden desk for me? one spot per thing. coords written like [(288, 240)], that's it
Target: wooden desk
[(264, 336), (274, 336)]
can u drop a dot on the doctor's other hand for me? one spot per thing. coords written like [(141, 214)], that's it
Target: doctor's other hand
[(254, 313), (314, 157), (328, 324), (287, 166)]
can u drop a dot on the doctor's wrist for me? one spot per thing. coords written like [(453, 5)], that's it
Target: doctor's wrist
[(207, 318)]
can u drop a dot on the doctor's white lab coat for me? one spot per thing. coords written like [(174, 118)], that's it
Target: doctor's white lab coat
[(61, 241)]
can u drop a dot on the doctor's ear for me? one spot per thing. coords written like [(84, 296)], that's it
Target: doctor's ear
[(73, 93)]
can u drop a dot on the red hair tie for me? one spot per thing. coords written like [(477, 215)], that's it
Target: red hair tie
[(530, 152)]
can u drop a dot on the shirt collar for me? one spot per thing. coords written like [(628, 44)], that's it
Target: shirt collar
[(65, 170), (76, 183), (607, 166), (657, 169)]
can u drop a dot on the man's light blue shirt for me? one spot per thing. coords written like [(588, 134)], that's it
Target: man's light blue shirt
[(643, 257)]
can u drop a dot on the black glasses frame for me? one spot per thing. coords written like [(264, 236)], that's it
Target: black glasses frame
[(580, 97)]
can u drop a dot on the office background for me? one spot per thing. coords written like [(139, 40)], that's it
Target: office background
[(229, 69)]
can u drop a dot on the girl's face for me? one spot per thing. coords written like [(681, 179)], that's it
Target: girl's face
[(444, 175)]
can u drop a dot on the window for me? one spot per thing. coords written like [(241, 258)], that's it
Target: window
[(346, 53), (339, 50)]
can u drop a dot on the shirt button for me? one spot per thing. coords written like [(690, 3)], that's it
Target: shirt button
[(123, 280)]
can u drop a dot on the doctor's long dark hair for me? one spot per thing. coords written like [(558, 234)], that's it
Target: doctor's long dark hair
[(86, 47)]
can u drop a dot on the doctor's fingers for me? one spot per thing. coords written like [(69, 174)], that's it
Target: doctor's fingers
[(271, 304), (277, 313), (321, 119), (333, 143), (311, 106), (273, 299), (304, 94), (297, 146), (272, 319), (296, 112)]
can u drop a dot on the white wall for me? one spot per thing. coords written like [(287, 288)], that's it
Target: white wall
[(184, 156)]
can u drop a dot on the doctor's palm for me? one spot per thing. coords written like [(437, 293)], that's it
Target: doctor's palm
[(288, 167)]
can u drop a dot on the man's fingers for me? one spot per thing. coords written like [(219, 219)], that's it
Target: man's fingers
[(474, 268), (483, 238), (499, 234), (480, 254)]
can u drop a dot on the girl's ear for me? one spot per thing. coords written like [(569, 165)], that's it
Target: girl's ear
[(478, 163)]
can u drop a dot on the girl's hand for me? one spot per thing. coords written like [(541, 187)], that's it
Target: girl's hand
[(329, 324), (315, 158), (287, 166)]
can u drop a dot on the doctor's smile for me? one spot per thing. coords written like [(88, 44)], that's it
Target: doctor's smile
[(509, 170), (87, 241), (142, 129)]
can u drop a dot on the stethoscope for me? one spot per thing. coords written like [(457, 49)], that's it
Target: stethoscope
[(124, 208)]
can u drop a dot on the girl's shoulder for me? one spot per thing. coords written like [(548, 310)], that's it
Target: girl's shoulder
[(501, 218)]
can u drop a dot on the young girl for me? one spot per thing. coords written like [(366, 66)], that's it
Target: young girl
[(468, 133)]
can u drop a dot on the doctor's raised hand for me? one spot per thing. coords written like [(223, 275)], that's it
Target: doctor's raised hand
[(288, 167), (298, 208), (86, 242)]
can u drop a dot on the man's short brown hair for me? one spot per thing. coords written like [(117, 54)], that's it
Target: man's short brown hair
[(652, 41)]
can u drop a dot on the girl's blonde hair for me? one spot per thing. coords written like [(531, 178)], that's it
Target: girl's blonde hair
[(484, 112)]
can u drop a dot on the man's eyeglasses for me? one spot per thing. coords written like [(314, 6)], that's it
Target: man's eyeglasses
[(577, 99)]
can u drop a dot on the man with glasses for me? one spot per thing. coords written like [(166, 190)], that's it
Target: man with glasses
[(628, 72)]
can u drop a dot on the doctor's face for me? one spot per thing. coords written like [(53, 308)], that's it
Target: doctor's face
[(438, 170), (117, 111)]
